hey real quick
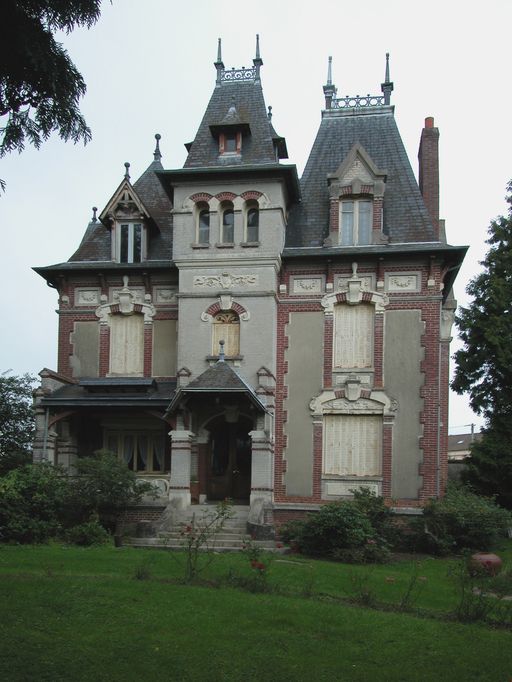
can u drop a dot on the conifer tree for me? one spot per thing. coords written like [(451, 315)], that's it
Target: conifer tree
[(484, 363)]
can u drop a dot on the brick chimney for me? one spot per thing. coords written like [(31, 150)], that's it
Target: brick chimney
[(428, 157)]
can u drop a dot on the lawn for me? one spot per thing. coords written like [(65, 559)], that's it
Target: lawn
[(80, 614)]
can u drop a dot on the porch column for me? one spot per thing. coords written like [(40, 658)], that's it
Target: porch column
[(67, 448), (179, 487), (261, 467)]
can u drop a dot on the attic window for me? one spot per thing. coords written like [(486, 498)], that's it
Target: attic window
[(129, 242), (230, 143), (355, 222)]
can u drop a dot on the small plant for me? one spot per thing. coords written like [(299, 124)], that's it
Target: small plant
[(413, 588), (87, 534), (198, 539), (474, 604), (361, 591), (143, 570), (259, 569)]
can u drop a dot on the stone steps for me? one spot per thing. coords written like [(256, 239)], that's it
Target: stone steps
[(231, 537)]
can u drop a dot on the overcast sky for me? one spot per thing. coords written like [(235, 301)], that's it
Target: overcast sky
[(148, 65)]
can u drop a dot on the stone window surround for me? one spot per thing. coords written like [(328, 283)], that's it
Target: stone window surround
[(241, 204)]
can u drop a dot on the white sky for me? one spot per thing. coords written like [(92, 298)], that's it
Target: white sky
[(148, 66)]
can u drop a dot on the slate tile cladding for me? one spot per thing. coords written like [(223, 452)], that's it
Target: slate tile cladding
[(405, 216), (257, 146), (96, 245)]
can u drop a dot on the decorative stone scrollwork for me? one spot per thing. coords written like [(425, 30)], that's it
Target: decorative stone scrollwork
[(224, 280), (354, 294)]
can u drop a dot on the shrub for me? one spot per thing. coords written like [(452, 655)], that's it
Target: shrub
[(461, 520), (87, 534), (380, 516), (337, 526), (32, 500)]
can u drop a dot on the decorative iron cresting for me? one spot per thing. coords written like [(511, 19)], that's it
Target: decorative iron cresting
[(357, 102), (242, 74)]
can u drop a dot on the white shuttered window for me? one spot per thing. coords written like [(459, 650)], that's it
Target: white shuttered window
[(352, 445), (353, 335)]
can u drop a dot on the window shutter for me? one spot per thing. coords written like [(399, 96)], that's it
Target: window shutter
[(353, 332)]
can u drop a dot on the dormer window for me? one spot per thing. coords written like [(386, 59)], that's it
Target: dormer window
[(130, 246), (355, 222), (230, 143)]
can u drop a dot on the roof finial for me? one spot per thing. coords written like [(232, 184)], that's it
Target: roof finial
[(94, 210), (329, 88), (221, 350), (269, 115), (257, 61), (219, 64), (157, 155), (127, 171), (387, 86)]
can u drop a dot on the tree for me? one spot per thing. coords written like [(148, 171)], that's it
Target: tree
[(16, 420), (39, 85), (484, 363)]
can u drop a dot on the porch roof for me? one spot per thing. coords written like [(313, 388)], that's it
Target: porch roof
[(220, 378), (113, 392)]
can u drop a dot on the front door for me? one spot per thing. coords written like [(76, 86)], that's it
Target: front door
[(229, 465)]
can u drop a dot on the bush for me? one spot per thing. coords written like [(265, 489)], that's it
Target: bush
[(87, 534), (461, 520), (337, 526), (105, 487), (381, 517), (32, 500)]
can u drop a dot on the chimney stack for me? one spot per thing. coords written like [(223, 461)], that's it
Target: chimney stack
[(428, 157)]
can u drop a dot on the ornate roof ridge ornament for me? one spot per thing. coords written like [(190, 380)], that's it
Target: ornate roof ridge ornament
[(157, 154), (329, 89), (127, 171), (387, 86)]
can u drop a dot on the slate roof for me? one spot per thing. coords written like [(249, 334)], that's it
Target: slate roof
[(405, 215), (95, 244), (112, 393), (257, 147), (220, 378)]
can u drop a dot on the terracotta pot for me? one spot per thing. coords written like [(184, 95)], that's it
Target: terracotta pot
[(488, 563)]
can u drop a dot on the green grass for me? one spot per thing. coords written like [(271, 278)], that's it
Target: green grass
[(79, 614)]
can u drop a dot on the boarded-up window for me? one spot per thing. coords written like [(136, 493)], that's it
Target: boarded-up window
[(164, 348), (127, 345), (226, 327), (352, 445), (353, 335), (85, 358)]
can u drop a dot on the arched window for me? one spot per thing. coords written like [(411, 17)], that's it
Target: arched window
[(203, 224), (252, 224), (228, 225), (226, 327)]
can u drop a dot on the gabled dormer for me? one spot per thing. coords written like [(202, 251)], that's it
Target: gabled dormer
[(128, 220), (356, 194)]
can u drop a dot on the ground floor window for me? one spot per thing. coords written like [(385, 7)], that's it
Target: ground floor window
[(352, 445), (141, 451)]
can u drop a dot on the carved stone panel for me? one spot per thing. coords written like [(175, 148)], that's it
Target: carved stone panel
[(344, 487), (87, 296), (402, 281), (136, 292), (164, 295), (307, 285), (225, 280)]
